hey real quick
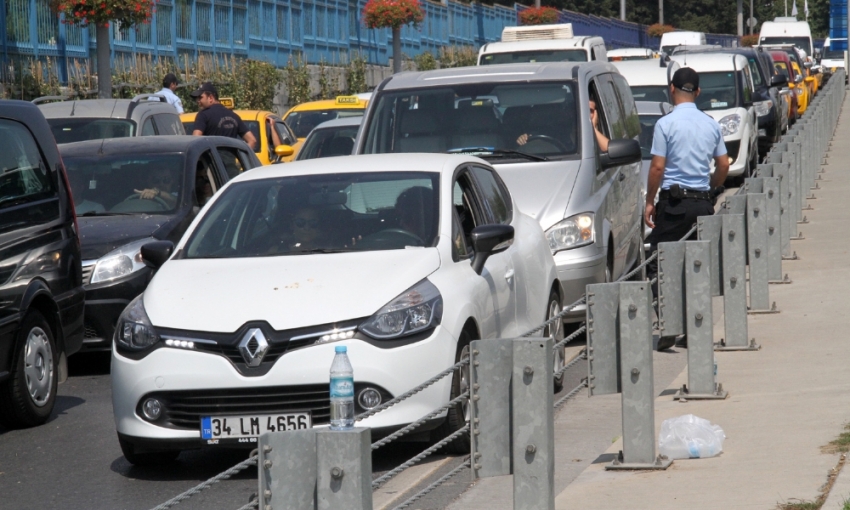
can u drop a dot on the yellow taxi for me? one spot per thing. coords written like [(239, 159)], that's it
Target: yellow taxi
[(804, 89), (277, 142), (304, 117)]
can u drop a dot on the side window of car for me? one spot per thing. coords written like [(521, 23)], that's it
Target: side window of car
[(168, 124), (286, 135), (24, 179), (494, 195), (233, 165), (611, 106), (147, 127), (467, 216), (747, 85), (631, 120), (207, 180), (755, 71)]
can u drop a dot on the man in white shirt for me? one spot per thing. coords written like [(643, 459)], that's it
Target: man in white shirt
[(169, 85)]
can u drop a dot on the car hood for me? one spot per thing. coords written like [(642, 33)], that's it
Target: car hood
[(100, 235), (541, 189), (220, 295)]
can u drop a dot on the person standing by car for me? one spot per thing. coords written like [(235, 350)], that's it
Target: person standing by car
[(216, 120), (169, 85), (684, 142)]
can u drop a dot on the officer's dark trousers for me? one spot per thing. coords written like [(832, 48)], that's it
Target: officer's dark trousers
[(673, 219)]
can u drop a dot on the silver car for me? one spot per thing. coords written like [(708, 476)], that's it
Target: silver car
[(331, 138), (78, 120), (532, 122)]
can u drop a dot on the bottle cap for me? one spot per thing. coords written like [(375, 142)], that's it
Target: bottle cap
[(340, 348)]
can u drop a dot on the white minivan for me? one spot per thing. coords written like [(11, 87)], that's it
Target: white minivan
[(680, 38), (787, 31), (542, 43), (649, 80), (831, 59)]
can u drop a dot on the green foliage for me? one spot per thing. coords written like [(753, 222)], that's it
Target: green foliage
[(458, 56), (259, 86), (425, 61), (355, 76), (296, 77), (325, 89)]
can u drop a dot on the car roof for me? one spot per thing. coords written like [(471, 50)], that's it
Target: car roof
[(341, 122), (630, 51), (243, 114), (143, 144), (505, 73), (645, 72), (539, 44), (329, 104), (407, 162), (101, 108), (653, 108), (708, 62)]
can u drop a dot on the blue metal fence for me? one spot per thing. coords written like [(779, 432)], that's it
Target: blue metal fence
[(273, 30)]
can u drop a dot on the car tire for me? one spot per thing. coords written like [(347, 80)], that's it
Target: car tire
[(28, 396), (553, 308), (145, 459), (458, 415)]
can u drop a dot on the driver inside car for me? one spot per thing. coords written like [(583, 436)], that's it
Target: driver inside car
[(414, 212), (161, 188)]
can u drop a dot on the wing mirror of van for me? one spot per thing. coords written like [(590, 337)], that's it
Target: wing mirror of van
[(778, 80), (155, 253), (487, 240), (623, 151)]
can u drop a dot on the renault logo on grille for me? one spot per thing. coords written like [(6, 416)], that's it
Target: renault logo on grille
[(253, 347)]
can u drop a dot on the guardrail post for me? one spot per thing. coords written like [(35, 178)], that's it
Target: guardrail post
[(782, 171), (490, 412), (699, 325), (736, 204), (344, 469), (710, 228), (671, 289), (286, 466), (637, 379), (533, 428), (603, 338), (758, 253), (774, 237), (734, 247), (793, 190)]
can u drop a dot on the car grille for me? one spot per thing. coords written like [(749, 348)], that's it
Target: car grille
[(732, 149), (87, 271), (232, 352)]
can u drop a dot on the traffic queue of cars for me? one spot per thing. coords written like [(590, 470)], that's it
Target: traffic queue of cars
[(474, 203)]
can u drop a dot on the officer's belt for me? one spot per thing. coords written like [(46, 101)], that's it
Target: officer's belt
[(685, 193)]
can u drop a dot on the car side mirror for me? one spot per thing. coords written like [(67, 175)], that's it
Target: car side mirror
[(778, 80), (284, 150), (807, 65), (155, 253), (623, 151), (487, 240), (798, 79)]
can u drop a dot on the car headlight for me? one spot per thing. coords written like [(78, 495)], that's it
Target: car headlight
[(729, 124), (415, 310), (571, 232), (763, 107), (134, 330), (120, 262)]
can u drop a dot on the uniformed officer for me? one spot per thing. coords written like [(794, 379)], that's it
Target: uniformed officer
[(683, 145)]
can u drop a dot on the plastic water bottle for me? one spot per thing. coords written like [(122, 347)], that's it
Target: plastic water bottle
[(342, 391)]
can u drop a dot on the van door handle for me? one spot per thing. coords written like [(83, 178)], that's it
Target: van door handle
[(509, 275), (622, 176)]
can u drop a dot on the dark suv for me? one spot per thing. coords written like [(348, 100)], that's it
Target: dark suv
[(41, 291)]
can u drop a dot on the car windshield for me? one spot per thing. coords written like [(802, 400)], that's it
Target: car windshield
[(830, 54), (655, 93), (304, 121), (804, 43), (328, 142), (67, 130), (125, 184), (516, 121), (519, 57), (324, 213), (717, 91), (647, 129)]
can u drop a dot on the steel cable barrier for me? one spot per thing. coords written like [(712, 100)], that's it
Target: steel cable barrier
[(511, 398)]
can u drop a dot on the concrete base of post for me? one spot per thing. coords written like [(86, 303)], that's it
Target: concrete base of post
[(683, 395), (661, 463)]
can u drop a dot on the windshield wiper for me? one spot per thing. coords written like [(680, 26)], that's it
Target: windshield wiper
[(95, 213), (320, 250), (490, 151)]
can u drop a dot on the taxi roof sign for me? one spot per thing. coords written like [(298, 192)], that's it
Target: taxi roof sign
[(347, 100), (227, 102)]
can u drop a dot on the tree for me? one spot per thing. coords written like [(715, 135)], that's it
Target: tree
[(100, 13), (393, 14)]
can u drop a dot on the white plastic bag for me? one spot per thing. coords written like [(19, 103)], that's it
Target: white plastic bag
[(690, 437)]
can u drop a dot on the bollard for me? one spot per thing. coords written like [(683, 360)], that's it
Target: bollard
[(709, 228), (533, 428), (699, 325), (344, 469), (637, 378), (734, 247), (286, 467), (671, 289), (603, 345), (490, 415), (774, 237)]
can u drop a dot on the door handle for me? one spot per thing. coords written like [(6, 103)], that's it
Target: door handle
[(622, 176), (509, 275)]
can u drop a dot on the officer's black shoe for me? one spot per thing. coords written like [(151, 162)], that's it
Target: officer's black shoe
[(666, 342)]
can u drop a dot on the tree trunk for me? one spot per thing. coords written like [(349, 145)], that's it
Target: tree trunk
[(396, 50), (104, 66)]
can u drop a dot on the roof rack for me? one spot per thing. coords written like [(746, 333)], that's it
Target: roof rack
[(148, 97), (45, 99)]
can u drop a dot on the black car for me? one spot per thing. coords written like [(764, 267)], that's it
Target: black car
[(41, 292), (767, 88), (130, 191)]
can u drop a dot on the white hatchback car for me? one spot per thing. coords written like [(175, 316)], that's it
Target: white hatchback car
[(403, 258)]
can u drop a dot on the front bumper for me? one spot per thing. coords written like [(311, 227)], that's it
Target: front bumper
[(104, 303), (577, 268), (170, 370)]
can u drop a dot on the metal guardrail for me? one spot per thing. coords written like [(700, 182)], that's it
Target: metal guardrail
[(749, 231)]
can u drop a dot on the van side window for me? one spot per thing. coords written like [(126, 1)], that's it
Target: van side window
[(24, 177), (611, 107), (747, 85), (754, 71), (632, 121)]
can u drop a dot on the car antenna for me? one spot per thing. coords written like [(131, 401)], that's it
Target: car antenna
[(73, 107), (102, 143)]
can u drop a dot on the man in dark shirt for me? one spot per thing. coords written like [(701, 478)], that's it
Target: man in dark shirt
[(216, 120)]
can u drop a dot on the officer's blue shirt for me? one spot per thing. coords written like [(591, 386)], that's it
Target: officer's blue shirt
[(689, 139)]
